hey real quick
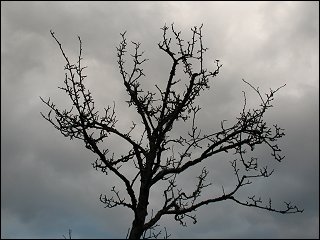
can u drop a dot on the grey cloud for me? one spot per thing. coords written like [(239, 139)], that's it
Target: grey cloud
[(47, 182)]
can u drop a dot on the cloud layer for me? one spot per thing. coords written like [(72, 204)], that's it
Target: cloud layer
[(47, 182)]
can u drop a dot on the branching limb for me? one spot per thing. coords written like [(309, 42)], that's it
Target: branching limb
[(257, 203), (114, 202), (142, 103), (84, 121), (250, 130)]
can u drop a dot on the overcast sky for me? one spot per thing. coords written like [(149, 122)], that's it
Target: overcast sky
[(47, 182)]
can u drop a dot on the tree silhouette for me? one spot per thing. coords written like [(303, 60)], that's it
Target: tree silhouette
[(157, 155)]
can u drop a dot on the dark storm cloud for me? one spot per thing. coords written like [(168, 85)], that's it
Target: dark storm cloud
[(47, 183)]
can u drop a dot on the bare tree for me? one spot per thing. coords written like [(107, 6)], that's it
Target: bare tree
[(157, 155), (69, 234)]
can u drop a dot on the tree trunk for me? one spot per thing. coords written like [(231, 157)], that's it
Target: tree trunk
[(141, 212)]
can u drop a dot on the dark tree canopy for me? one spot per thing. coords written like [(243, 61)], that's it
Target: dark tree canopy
[(158, 156)]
